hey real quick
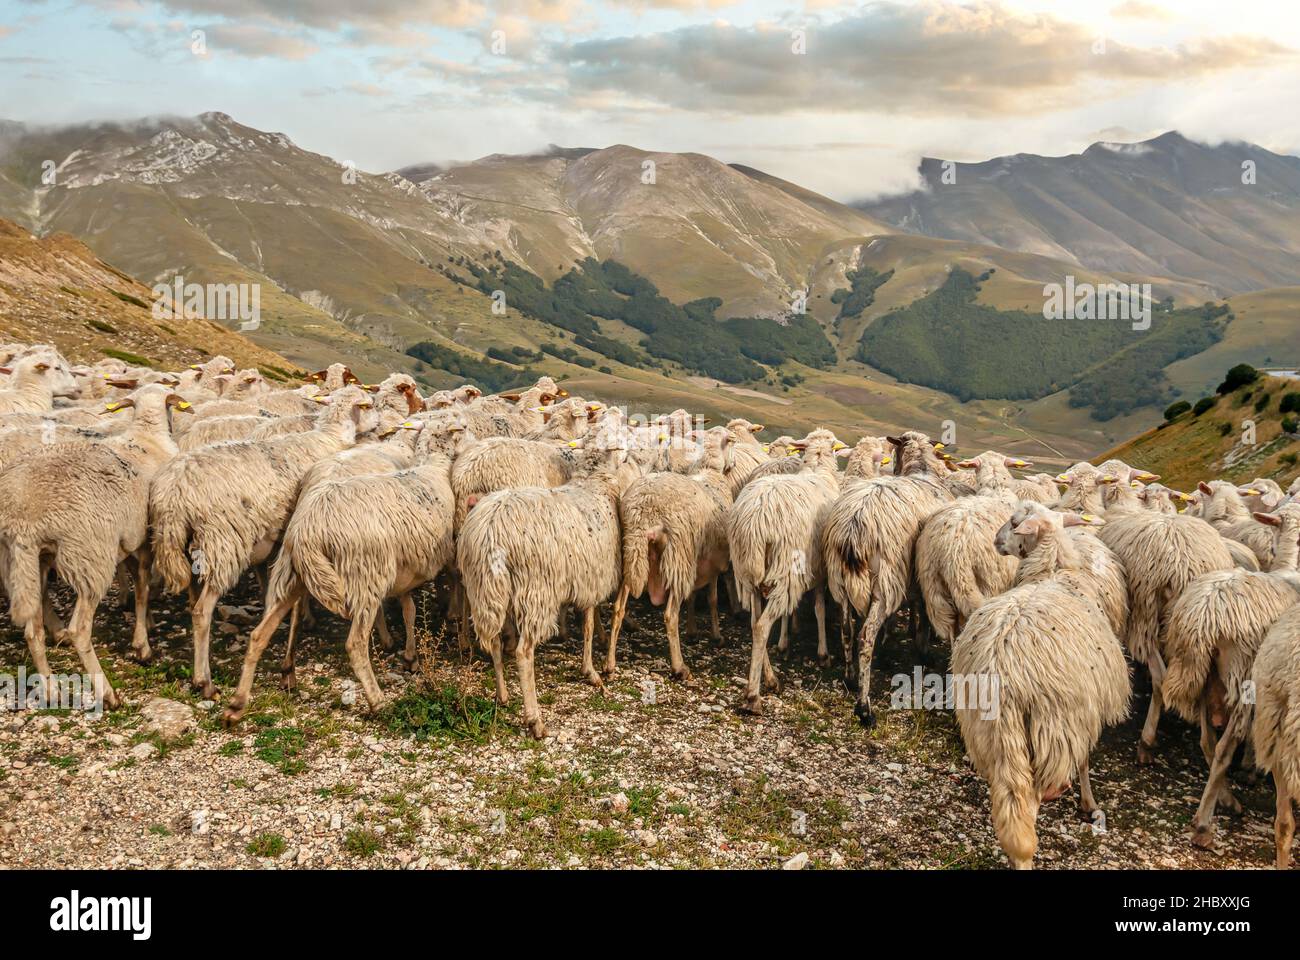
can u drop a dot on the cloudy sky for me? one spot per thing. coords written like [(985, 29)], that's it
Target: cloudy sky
[(840, 97)]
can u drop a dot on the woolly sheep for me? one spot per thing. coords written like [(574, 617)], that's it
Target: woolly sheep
[(1060, 674), (1162, 554), (774, 535), (218, 510), (868, 543), (355, 540), (675, 542), (82, 506), (1225, 510), (527, 552), (35, 381), (1276, 727)]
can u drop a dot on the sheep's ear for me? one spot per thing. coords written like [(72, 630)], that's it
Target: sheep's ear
[(1271, 519), (1144, 476), (123, 384), (178, 402), (316, 377), (41, 367), (1030, 526), (372, 387), (972, 464), (512, 397), (1205, 488), (756, 428), (895, 441), (1065, 478), (799, 445), (1271, 499), (1016, 462), (6, 370), (1081, 520)]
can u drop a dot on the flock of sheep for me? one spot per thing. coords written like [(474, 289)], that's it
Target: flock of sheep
[(538, 503)]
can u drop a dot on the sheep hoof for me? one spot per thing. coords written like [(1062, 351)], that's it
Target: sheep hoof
[(1146, 753), (142, 653), (824, 660), (289, 680), (865, 717), (205, 687), (537, 728), (111, 699), (1203, 837), (608, 670), (752, 705), (683, 675), (595, 680)]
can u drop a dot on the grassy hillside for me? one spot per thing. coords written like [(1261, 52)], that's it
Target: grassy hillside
[(1202, 447)]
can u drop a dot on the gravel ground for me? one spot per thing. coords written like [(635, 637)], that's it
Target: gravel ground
[(648, 773)]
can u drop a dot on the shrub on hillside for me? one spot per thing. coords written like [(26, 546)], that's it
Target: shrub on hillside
[(1203, 404), (1290, 403), (1238, 376), (1177, 409)]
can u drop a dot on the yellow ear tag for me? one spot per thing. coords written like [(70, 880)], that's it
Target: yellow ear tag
[(573, 443), (885, 460), (111, 407), (1087, 517), (938, 446), (183, 405)]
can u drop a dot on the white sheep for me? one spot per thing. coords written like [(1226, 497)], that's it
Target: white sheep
[(867, 544), (83, 506), (34, 382), (218, 510), (1276, 727), (1060, 677)]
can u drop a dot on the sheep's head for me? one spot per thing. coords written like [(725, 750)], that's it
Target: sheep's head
[(1031, 523), (744, 430), (1262, 495), (152, 404), (868, 457), (49, 369), (350, 403), (1157, 497), (398, 393), (820, 448), (441, 435), (915, 453), (780, 447), (1285, 522)]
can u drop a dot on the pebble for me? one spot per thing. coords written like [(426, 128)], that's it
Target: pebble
[(797, 862), (143, 751)]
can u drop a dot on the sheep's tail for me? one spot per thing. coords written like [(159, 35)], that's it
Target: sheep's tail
[(1187, 657), (636, 558), (748, 553), (1013, 796), (22, 577), (308, 561), (171, 538), (848, 566), (485, 573)]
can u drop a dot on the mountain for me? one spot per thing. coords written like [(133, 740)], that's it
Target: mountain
[(1193, 447), (1164, 207), (54, 290), (645, 278)]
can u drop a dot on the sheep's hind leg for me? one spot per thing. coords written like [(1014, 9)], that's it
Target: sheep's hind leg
[(715, 628), (408, 620), (672, 609), (616, 624), (53, 625), (819, 610), (140, 634), (493, 646), (35, 636), (358, 647), (689, 603), (846, 641), (1203, 823), (871, 625), (257, 643), (524, 651), (588, 630), (760, 626), (1283, 824), (1147, 742), (204, 604), (783, 644), (83, 619), (381, 622), (1087, 803), (288, 670), (1208, 744)]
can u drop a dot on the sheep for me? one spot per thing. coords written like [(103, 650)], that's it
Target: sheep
[(773, 533), (289, 403), (82, 507), (675, 542), (1159, 498), (1162, 554), (992, 469), (1060, 673), (35, 381), (1276, 727), (1213, 631), (1083, 490), (442, 399), (1262, 495), (356, 539), (867, 459), (511, 414), (223, 508), (334, 377), (527, 552), (219, 430), (398, 395), (868, 543), (1225, 510)]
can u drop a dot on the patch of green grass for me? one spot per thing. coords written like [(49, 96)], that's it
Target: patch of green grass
[(282, 748), (445, 712), (363, 843), (641, 800), (127, 357), (160, 830), (63, 762), (231, 748), (266, 845), (101, 326), (128, 298), (605, 841)]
